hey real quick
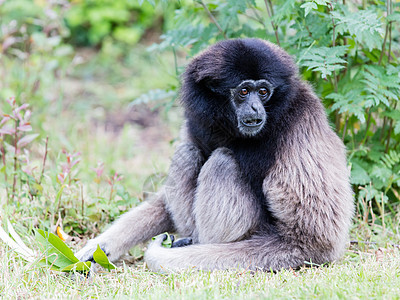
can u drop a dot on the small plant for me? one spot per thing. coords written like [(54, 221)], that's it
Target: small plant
[(13, 139), (57, 255)]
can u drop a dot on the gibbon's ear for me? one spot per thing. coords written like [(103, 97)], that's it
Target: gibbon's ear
[(206, 71)]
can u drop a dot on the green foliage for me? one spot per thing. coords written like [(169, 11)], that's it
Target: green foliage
[(364, 26), (325, 60), (32, 51), (91, 22)]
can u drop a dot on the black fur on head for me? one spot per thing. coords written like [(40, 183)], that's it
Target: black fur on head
[(211, 76)]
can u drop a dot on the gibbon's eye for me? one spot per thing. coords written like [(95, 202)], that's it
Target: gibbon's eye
[(263, 91), (243, 92)]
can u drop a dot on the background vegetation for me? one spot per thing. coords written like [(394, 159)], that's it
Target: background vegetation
[(89, 117)]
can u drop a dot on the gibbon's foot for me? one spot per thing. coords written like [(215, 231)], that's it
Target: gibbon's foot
[(86, 253), (182, 242), (178, 243)]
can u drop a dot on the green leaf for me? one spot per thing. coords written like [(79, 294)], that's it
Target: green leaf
[(79, 266), (167, 243), (56, 251), (324, 59), (101, 258), (351, 102), (381, 84), (394, 17), (308, 7), (359, 175), (397, 128), (364, 26)]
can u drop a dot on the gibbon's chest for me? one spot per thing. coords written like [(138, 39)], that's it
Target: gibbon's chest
[(255, 159)]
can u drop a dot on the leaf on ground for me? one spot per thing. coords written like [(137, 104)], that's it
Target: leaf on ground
[(57, 252), (101, 258), (79, 266), (16, 243)]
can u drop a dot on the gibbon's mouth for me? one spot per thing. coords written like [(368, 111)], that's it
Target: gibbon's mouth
[(252, 122)]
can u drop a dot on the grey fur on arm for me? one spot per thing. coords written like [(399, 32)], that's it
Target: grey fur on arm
[(136, 226)]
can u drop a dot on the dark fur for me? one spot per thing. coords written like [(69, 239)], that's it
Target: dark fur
[(269, 201)]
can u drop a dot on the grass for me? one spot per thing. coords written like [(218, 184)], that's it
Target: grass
[(355, 277), (90, 117)]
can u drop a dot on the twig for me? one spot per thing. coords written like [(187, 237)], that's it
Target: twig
[(257, 17), (270, 11), (212, 18), (44, 160)]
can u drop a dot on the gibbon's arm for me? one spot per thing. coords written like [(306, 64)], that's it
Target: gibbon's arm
[(136, 226), (154, 216), (308, 188)]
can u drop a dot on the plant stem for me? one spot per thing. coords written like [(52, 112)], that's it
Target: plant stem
[(15, 159), (383, 128), (213, 18), (345, 128), (384, 44), (367, 126), (388, 32), (257, 17), (3, 156), (390, 131), (270, 11), (82, 202), (111, 192), (44, 160), (335, 79)]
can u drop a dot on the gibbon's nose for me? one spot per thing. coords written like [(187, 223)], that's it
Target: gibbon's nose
[(254, 107)]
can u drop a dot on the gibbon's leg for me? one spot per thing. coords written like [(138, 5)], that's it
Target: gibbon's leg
[(136, 226), (181, 185), (256, 253), (225, 210)]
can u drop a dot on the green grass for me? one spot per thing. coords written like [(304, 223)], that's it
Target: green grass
[(355, 277)]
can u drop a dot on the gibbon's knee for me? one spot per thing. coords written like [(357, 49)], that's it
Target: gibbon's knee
[(225, 208)]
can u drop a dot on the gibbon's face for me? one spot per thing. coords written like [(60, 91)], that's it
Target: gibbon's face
[(249, 99), (243, 85)]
